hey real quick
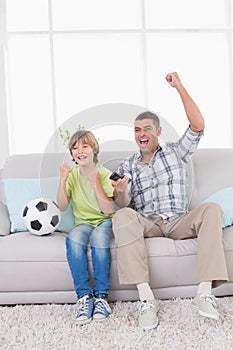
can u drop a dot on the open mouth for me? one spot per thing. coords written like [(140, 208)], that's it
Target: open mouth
[(81, 157), (144, 142)]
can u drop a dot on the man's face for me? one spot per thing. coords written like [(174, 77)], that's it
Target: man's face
[(146, 135)]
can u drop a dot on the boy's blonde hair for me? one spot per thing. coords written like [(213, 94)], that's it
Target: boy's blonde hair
[(86, 137)]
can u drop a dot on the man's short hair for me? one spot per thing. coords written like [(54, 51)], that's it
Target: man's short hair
[(149, 115)]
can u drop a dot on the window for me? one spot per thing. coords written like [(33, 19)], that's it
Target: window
[(61, 57)]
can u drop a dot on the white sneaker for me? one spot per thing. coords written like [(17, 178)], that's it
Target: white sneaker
[(148, 318), (206, 305)]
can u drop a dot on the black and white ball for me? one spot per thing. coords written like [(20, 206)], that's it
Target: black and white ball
[(41, 216)]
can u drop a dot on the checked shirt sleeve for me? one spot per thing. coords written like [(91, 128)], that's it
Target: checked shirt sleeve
[(187, 144)]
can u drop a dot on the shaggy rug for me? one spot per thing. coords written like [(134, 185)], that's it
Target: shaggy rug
[(51, 327)]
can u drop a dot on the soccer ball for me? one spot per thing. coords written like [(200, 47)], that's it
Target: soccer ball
[(41, 216)]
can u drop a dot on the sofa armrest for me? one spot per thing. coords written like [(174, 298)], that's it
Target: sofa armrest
[(4, 220)]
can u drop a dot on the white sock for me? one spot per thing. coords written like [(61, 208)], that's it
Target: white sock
[(204, 288), (145, 292)]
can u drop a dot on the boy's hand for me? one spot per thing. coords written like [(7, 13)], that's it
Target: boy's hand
[(64, 171)]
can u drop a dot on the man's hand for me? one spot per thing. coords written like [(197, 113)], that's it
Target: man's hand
[(196, 120), (120, 185), (121, 196), (173, 79)]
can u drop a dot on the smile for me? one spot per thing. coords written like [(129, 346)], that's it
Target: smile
[(83, 156), (144, 141)]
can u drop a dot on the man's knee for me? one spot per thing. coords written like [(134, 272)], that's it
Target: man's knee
[(212, 208), (124, 215), (126, 227)]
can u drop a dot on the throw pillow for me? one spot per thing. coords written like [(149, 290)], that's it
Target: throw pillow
[(224, 198), (19, 191)]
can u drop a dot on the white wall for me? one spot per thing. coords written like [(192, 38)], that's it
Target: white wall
[(63, 57)]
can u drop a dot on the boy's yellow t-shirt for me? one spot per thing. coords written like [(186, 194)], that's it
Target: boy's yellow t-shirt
[(84, 202)]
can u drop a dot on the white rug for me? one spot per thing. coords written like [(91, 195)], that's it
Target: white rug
[(50, 327)]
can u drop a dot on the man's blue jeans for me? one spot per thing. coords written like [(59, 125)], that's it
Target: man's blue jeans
[(76, 249)]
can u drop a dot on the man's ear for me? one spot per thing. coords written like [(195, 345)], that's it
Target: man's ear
[(159, 131)]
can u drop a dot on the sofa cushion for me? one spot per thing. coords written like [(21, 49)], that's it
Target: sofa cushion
[(19, 191), (224, 198)]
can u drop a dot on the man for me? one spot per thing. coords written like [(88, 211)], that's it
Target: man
[(154, 182)]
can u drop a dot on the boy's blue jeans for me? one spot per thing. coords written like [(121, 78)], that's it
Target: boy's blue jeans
[(76, 250)]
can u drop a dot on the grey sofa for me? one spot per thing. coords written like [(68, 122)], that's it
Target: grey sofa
[(34, 269)]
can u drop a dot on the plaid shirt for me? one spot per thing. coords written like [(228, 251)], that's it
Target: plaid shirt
[(160, 186)]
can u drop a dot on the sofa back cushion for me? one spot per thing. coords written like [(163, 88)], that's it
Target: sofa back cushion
[(30, 176), (212, 171)]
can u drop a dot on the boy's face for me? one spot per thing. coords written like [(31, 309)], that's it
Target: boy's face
[(146, 135), (82, 154)]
